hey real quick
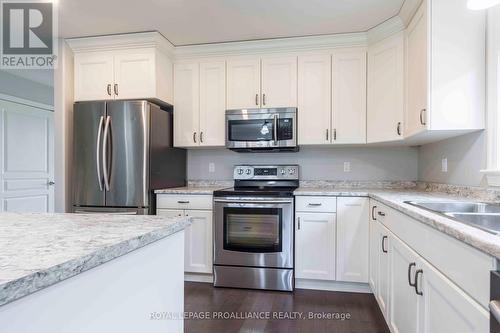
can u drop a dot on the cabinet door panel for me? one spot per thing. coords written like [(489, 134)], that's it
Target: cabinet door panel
[(279, 82), (315, 246), (352, 239), (446, 308), (385, 111), (417, 73), (383, 241), (170, 212), (374, 248), (403, 302), (198, 238), (212, 103), (186, 104), (135, 74), (94, 72), (314, 99), (243, 83), (349, 97)]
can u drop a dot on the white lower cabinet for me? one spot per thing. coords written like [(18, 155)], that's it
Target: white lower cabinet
[(413, 295), (315, 246), (198, 242), (352, 239)]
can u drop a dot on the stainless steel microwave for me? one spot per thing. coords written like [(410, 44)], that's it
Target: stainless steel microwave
[(262, 129)]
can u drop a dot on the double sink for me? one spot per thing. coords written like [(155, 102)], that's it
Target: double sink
[(480, 215)]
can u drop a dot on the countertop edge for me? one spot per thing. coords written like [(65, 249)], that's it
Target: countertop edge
[(39, 280)]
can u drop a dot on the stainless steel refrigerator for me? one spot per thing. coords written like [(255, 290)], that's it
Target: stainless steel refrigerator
[(123, 151)]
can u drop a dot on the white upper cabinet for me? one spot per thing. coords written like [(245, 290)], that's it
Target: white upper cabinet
[(187, 104), (385, 100), (134, 74), (279, 82), (94, 76), (123, 74), (445, 81), (352, 239), (314, 99), (349, 97), (212, 103), (243, 83)]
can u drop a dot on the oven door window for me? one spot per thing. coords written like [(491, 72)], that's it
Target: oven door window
[(251, 130), (254, 230)]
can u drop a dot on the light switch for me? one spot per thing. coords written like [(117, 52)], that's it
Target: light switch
[(347, 166)]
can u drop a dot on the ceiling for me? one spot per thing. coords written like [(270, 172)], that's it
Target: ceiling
[(186, 22)]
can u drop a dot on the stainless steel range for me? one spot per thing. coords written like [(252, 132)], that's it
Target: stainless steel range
[(253, 236)]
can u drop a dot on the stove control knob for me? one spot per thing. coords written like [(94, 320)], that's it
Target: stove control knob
[(239, 171), (248, 172), (291, 171), (283, 172)]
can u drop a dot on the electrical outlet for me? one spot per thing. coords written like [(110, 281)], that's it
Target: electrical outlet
[(347, 166), (444, 165), (211, 167)]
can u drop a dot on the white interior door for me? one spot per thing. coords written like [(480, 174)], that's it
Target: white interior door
[(26, 158)]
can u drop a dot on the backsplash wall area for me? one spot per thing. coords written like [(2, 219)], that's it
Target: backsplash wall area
[(366, 163)]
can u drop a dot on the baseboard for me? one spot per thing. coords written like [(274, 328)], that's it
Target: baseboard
[(351, 287), (199, 277)]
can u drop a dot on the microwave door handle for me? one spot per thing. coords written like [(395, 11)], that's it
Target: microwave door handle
[(276, 119)]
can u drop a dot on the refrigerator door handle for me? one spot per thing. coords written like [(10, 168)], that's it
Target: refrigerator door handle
[(98, 153), (105, 154)]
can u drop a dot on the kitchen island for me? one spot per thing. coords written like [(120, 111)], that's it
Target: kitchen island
[(91, 273)]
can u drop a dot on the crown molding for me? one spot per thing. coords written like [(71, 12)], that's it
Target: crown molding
[(386, 29), (409, 9), (292, 44), (121, 41)]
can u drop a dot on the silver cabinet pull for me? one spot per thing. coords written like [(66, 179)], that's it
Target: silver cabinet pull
[(373, 213), (108, 89), (194, 137), (256, 99), (422, 120), (314, 204), (383, 244), (398, 129), (298, 223), (116, 89), (418, 292), (327, 134), (182, 202), (335, 134), (105, 154), (263, 99), (201, 137), (51, 183), (412, 284), (381, 213), (98, 152)]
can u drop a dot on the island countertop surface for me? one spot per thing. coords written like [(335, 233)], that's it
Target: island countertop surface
[(39, 250)]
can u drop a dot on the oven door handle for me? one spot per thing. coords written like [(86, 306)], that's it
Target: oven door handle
[(252, 202), (276, 120)]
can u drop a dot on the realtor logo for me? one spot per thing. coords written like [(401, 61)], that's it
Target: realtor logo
[(27, 34)]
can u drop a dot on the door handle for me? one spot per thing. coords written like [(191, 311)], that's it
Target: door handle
[(263, 99), (98, 151), (201, 137), (51, 183), (257, 99), (398, 129), (108, 89), (381, 213), (194, 137), (419, 271), (105, 154), (276, 119), (298, 223), (327, 136), (373, 213), (182, 202), (383, 244), (116, 89), (422, 121), (334, 134), (314, 204), (409, 274)]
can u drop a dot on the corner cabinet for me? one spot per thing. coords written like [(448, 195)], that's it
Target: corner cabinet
[(445, 66), (198, 242), (123, 74), (385, 101), (268, 82), (200, 104)]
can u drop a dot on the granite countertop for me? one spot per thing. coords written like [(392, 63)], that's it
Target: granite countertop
[(477, 238), (207, 190), (39, 250)]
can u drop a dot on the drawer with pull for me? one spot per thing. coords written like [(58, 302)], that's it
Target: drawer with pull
[(176, 201), (316, 204)]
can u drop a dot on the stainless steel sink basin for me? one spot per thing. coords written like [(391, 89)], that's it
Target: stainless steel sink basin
[(487, 222), (456, 207), (480, 215)]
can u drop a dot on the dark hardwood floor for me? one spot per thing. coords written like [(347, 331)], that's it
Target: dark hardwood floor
[(202, 299)]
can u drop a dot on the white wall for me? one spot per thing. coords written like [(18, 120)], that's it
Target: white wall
[(16, 86), (466, 156), (395, 163)]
